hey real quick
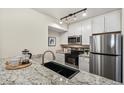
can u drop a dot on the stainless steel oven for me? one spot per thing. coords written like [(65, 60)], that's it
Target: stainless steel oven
[(72, 58), (77, 39)]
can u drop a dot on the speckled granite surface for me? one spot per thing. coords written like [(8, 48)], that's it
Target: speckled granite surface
[(37, 74)]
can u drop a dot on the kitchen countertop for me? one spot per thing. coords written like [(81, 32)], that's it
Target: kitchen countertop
[(81, 55), (74, 46), (37, 74), (61, 52), (84, 55)]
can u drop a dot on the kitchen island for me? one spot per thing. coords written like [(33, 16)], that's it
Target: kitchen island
[(37, 74)]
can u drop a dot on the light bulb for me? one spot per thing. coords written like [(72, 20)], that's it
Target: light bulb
[(61, 79), (60, 22), (84, 14)]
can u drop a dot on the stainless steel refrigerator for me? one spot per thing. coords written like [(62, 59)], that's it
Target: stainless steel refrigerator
[(106, 55)]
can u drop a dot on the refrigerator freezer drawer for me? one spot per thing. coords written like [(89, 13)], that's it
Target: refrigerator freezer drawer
[(111, 67), (106, 66)]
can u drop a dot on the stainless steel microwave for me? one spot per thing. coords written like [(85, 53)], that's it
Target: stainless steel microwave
[(75, 39)]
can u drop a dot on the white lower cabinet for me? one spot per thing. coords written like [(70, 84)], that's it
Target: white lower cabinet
[(84, 63), (60, 58)]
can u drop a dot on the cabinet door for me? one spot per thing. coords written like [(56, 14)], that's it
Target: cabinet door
[(113, 21), (86, 31), (60, 58), (74, 29), (98, 24), (84, 64)]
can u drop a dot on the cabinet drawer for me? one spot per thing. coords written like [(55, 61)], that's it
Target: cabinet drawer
[(84, 64), (60, 58)]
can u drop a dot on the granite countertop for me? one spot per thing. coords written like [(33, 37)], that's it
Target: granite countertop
[(61, 52), (84, 55), (37, 74), (75, 46)]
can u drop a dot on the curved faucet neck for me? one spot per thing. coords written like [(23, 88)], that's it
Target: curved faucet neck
[(44, 55)]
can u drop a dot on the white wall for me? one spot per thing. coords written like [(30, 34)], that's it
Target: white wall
[(23, 28), (64, 38), (52, 33), (57, 35)]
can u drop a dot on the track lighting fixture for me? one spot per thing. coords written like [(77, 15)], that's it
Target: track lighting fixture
[(84, 13), (75, 18), (66, 20), (73, 15)]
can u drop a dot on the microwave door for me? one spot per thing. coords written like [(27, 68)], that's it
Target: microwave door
[(79, 40), (71, 40), (74, 40)]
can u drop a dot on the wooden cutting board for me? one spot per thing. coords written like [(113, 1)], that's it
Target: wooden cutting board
[(17, 66)]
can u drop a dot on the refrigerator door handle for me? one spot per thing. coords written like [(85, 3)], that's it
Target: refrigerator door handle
[(91, 43)]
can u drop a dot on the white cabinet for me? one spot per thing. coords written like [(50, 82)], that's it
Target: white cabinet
[(86, 31), (60, 58), (113, 21), (108, 22), (98, 24), (84, 63), (74, 29)]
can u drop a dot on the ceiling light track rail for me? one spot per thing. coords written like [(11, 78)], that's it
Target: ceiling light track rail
[(72, 14)]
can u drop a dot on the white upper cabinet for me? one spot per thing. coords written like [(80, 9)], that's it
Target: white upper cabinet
[(86, 31), (104, 23), (113, 21), (75, 29), (81, 28), (98, 24)]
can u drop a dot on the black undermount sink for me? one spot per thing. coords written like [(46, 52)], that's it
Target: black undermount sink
[(61, 69)]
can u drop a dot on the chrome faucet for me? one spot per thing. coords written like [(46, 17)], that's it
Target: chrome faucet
[(44, 55)]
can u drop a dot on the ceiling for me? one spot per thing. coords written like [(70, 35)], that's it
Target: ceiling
[(61, 12)]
